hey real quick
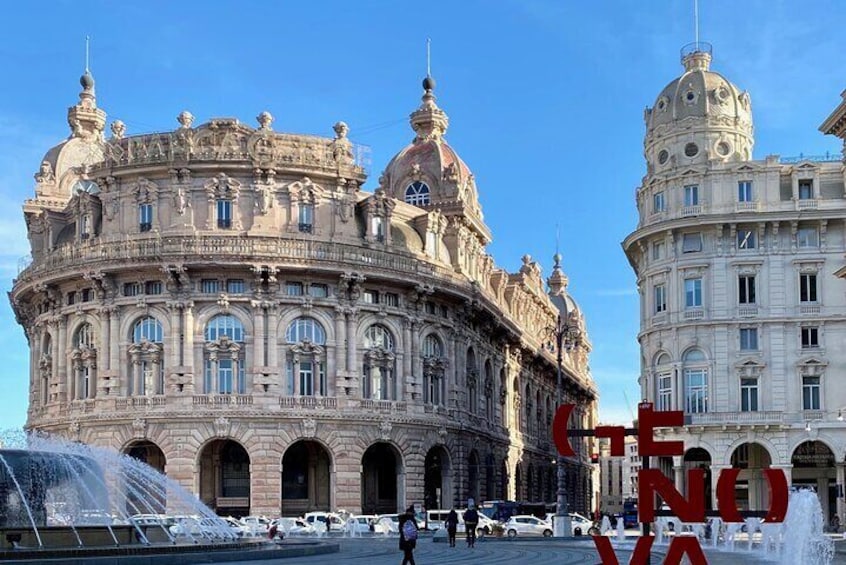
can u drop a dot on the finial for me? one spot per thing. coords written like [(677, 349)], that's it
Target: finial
[(185, 119), (428, 56), (264, 119)]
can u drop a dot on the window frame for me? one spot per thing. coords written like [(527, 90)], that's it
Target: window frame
[(746, 290), (808, 288), (224, 213), (745, 191), (145, 217), (691, 195), (811, 392), (750, 342), (749, 397), (693, 296)]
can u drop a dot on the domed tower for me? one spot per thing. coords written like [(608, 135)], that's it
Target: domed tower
[(698, 118), (428, 173)]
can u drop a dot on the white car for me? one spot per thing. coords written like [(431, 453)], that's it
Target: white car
[(527, 526), (238, 528), (292, 527), (361, 524), (257, 524), (197, 527), (386, 524), (577, 523), (320, 518)]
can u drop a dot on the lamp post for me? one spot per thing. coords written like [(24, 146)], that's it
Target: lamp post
[(562, 524)]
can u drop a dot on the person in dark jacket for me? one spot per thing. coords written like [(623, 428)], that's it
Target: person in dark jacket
[(451, 524), (471, 520), (408, 540)]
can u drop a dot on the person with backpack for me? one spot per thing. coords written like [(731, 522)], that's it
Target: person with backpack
[(471, 520), (408, 535), (451, 524)]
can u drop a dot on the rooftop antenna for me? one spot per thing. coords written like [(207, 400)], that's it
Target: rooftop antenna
[(428, 56), (87, 42), (557, 236)]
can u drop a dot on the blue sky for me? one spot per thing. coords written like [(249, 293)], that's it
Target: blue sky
[(545, 99)]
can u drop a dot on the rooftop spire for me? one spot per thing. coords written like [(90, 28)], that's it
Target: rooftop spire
[(429, 121), (557, 280), (85, 119)]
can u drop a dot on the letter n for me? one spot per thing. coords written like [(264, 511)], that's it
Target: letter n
[(691, 509)]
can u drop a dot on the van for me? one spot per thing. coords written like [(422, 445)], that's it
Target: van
[(436, 519)]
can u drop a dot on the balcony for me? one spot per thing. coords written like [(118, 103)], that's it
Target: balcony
[(812, 309), (763, 417), (306, 228), (689, 211), (694, 314), (140, 402), (746, 207), (308, 402), (806, 204), (747, 311), (222, 400), (384, 406)]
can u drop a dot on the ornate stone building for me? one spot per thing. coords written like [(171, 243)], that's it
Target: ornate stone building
[(228, 304), (741, 314)]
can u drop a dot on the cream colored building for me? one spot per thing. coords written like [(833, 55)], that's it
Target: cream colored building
[(741, 315), (227, 303)]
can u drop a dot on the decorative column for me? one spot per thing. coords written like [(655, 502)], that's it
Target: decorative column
[(62, 353), (188, 333), (58, 353), (113, 350), (352, 346), (416, 364), (841, 479), (451, 372), (105, 341), (407, 354), (340, 338), (175, 331), (259, 338), (272, 336)]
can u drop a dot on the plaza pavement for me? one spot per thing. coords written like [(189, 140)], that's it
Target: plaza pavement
[(378, 550)]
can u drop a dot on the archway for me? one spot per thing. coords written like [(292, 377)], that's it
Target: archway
[(381, 468), (698, 458), (225, 477), (813, 467), (437, 488), (518, 483), (503, 480), (530, 484), (473, 476), (305, 478), (490, 482), (151, 454), (751, 491)]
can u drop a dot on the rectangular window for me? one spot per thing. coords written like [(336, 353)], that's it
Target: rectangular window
[(807, 287), (235, 286), (657, 250), (746, 239), (392, 299), (749, 339), (696, 391), (86, 294), (378, 228), (131, 289), (145, 217), (318, 290), (806, 189), (746, 289), (665, 392), (749, 395), (693, 293), (371, 297), (224, 214), (692, 242), (807, 238), (209, 286), (660, 298), (810, 393), (658, 202), (294, 288), (153, 287), (306, 217), (430, 308), (744, 191), (810, 337), (691, 195), (225, 376)]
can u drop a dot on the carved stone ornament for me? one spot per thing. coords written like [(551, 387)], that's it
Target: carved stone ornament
[(442, 433), (139, 428), (73, 430), (309, 428), (45, 173), (385, 428), (222, 426), (118, 130), (185, 119)]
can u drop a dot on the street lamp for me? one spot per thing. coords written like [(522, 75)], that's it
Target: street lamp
[(558, 284)]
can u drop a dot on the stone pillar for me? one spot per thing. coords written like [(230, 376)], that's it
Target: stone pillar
[(114, 346), (352, 346), (62, 351), (407, 354), (175, 358), (105, 343), (92, 379), (841, 502), (57, 354), (715, 477), (340, 339), (271, 330), (259, 338), (188, 331), (451, 373), (416, 371)]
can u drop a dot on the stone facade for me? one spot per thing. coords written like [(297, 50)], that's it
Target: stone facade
[(228, 304), (741, 316)]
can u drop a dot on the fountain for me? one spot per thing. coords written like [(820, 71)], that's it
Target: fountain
[(605, 526), (805, 542), (58, 497)]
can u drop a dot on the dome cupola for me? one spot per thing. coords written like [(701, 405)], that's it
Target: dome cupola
[(699, 117)]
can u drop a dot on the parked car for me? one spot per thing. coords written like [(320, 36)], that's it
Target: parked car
[(360, 524), (198, 527), (292, 527), (527, 526), (387, 524), (152, 520), (257, 524), (579, 525), (239, 529), (316, 518)]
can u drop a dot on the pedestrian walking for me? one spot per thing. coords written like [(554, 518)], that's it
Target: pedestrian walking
[(451, 526), (408, 535), (471, 520)]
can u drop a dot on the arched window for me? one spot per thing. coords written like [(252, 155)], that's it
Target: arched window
[(695, 381), (417, 194), (146, 363), (307, 358), (378, 369), (84, 362), (664, 390), (434, 366), (472, 382), (224, 356)]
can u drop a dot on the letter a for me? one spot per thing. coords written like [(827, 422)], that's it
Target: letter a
[(681, 546), (639, 556)]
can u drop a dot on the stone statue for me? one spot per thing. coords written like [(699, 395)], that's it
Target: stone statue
[(264, 198), (185, 119), (45, 173), (341, 147), (181, 200), (118, 130), (264, 119)]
